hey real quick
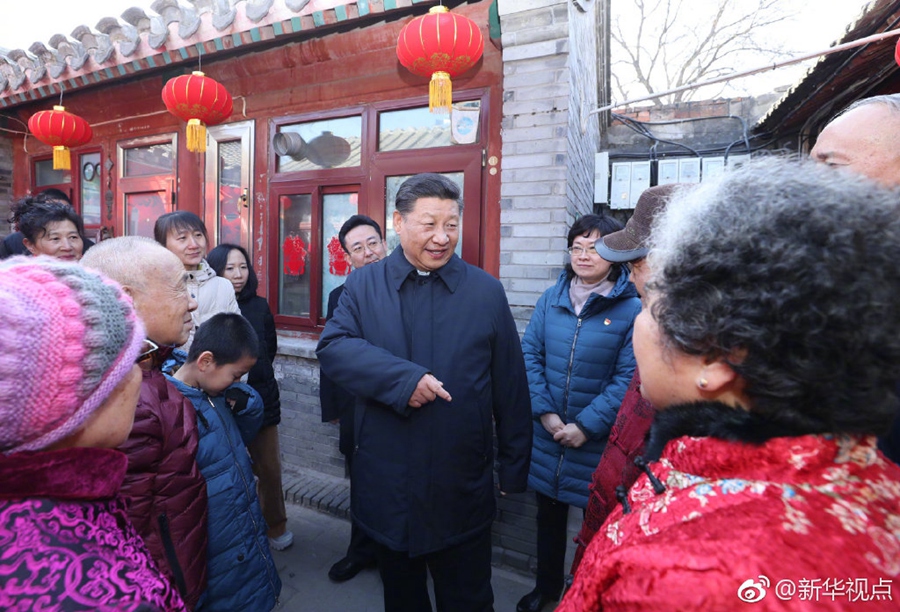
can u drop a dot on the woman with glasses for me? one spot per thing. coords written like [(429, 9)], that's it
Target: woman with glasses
[(579, 359), (184, 233)]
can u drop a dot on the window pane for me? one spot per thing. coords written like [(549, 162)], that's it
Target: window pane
[(44, 174), (229, 216), (150, 161), (90, 189), (392, 184), (142, 210), (336, 208), (332, 143), (418, 128), (295, 224)]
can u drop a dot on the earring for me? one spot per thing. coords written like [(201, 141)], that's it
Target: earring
[(702, 383)]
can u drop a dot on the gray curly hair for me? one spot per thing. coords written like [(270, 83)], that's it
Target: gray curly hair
[(790, 272)]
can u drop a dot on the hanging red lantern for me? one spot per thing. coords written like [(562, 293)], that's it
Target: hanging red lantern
[(61, 130), (441, 45), (200, 101)]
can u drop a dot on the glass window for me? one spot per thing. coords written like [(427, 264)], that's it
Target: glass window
[(90, 189), (336, 208), (417, 128), (44, 174), (142, 210), (230, 192), (331, 143), (295, 224), (392, 184), (151, 160)]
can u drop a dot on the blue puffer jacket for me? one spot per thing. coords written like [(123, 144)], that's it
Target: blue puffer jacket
[(241, 573), (578, 367)]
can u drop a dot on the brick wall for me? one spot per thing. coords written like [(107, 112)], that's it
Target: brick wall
[(721, 127), (534, 215), (306, 442), (549, 140)]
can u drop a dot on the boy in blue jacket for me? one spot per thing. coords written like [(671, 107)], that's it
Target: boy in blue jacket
[(241, 573)]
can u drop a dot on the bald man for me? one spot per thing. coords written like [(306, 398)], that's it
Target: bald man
[(166, 492), (863, 139)]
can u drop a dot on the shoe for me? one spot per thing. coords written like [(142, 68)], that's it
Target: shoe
[(281, 542), (347, 568), (533, 602)]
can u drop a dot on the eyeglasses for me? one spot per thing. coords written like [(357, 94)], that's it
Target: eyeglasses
[(372, 244), (578, 251), (147, 351)]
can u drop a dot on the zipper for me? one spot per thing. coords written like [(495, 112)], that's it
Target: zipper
[(237, 466), (169, 547), (565, 415)]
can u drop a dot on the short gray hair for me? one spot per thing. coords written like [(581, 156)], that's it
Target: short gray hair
[(789, 271), (128, 260), (892, 101)]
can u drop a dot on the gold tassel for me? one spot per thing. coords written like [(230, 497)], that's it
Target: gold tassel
[(196, 136), (61, 158), (440, 92)]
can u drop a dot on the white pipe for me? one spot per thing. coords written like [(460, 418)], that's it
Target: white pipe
[(735, 75)]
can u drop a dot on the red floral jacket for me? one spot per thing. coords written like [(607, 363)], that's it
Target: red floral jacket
[(796, 523)]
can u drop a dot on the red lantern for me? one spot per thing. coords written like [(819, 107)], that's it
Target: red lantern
[(441, 45), (200, 101), (61, 130)]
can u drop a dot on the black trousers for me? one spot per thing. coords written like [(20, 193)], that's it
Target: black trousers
[(461, 576), (552, 521), (362, 548)]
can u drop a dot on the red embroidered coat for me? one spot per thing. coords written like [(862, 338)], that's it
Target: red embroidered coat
[(65, 539), (797, 523)]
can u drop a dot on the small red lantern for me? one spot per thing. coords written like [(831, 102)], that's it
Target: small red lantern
[(61, 130), (200, 101), (441, 45)]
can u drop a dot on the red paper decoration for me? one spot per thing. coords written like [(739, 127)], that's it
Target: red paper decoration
[(441, 45), (200, 101), (61, 130)]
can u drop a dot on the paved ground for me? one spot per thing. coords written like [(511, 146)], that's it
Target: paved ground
[(320, 539)]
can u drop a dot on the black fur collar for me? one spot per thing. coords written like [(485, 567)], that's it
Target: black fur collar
[(716, 420)]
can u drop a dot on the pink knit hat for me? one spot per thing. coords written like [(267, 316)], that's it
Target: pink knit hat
[(68, 337)]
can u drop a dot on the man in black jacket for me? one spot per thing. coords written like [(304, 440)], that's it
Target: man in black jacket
[(361, 239), (429, 347)]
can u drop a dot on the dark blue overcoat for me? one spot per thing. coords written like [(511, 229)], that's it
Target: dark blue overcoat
[(423, 478)]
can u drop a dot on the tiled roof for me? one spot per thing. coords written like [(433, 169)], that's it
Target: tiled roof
[(171, 32), (837, 79)]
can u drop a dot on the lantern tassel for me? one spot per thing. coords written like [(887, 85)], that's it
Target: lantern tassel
[(196, 136), (440, 93), (61, 158)]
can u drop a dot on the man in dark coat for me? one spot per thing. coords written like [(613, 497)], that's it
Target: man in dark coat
[(428, 345), (862, 138), (362, 241)]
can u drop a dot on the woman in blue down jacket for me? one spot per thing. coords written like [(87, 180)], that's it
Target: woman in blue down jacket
[(579, 359)]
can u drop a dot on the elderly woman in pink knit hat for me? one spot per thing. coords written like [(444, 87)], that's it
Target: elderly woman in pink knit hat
[(69, 342)]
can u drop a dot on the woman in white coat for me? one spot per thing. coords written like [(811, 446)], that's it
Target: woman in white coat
[(184, 233)]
